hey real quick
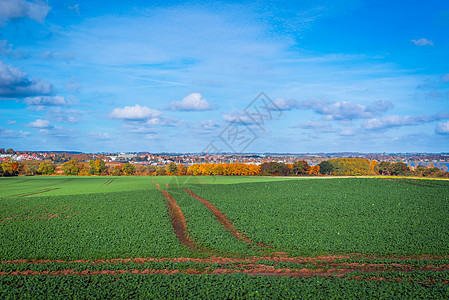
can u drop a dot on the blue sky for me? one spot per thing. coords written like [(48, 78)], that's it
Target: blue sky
[(106, 76)]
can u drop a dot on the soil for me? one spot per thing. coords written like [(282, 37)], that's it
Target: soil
[(200, 181), (109, 181), (249, 269), (178, 220)]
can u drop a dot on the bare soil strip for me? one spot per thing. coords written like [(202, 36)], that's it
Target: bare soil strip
[(44, 191), (254, 270), (178, 220), (221, 217), (200, 181), (109, 181)]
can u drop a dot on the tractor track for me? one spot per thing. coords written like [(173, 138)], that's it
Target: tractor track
[(222, 219)]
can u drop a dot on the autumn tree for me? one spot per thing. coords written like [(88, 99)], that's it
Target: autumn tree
[(172, 169), (140, 170), (161, 172), (128, 169), (10, 168), (384, 168), (46, 168), (399, 168), (84, 169), (314, 170), (150, 170), (181, 169), (326, 168), (301, 167), (30, 167), (351, 166), (274, 168), (71, 167), (97, 167), (116, 171), (193, 170)]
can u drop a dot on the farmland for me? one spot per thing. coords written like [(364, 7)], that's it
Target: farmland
[(264, 237)]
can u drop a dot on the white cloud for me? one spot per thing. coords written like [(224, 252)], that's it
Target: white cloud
[(64, 116), (285, 104), (7, 133), (316, 126), (46, 101), (14, 83), (206, 126), (422, 42), (442, 128), (39, 123), (345, 110), (347, 132), (398, 121), (192, 102), (16, 9), (238, 117), (136, 112)]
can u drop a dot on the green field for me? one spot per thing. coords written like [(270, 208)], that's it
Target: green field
[(399, 226), (371, 216)]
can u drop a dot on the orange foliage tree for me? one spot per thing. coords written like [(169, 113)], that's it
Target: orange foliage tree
[(234, 169), (314, 170)]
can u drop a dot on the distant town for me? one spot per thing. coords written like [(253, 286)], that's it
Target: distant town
[(439, 160)]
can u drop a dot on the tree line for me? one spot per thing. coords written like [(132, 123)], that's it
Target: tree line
[(335, 167)]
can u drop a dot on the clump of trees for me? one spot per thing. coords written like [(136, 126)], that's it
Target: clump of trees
[(10, 168), (274, 169), (97, 167), (236, 169), (352, 166), (299, 168), (401, 169), (46, 168)]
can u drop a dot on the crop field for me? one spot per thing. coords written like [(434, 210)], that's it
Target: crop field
[(223, 237)]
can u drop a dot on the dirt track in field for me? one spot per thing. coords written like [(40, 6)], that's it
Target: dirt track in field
[(44, 191), (221, 217), (200, 181), (249, 269), (254, 266), (178, 221)]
